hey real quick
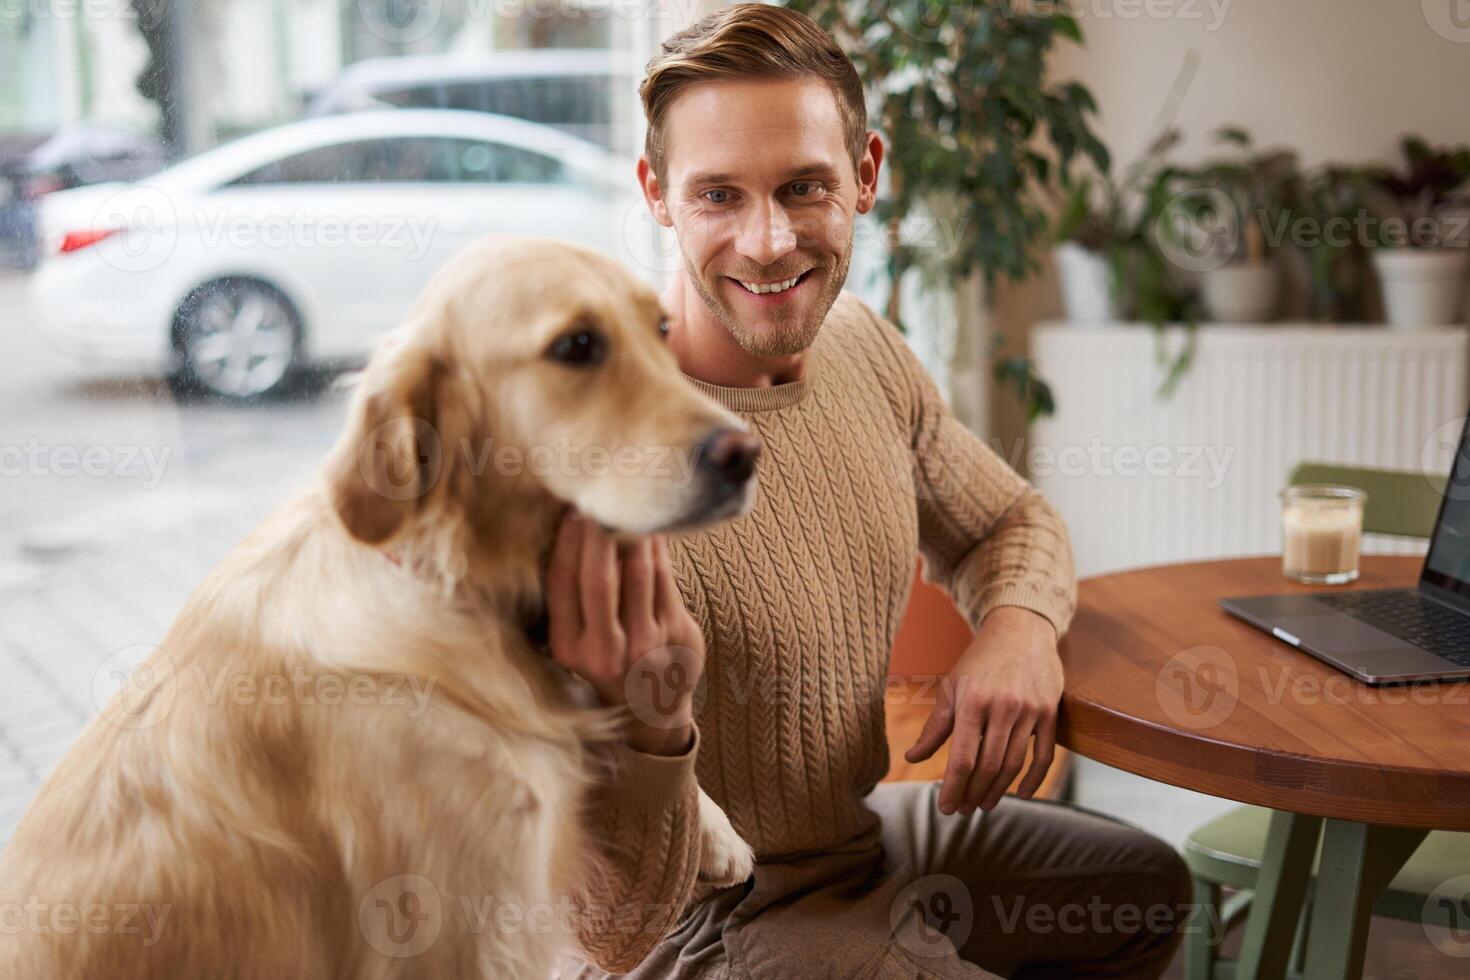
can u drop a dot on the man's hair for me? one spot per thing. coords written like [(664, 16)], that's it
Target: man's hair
[(750, 40)]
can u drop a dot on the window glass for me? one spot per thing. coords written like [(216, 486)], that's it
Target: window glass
[(411, 160), (175, 364)]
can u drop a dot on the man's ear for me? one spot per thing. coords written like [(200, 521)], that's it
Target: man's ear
[(653, 192), (392, 454), (867, 172)]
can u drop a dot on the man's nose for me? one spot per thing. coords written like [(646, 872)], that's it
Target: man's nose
[(767, 235)]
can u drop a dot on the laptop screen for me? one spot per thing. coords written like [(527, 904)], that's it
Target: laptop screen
[(1448, 563)]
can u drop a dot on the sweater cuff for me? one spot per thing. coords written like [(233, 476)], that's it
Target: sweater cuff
[(1044, 600), (645, 782)]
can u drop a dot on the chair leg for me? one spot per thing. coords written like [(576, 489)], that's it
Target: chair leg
[(1281, 888), (1201, 945)]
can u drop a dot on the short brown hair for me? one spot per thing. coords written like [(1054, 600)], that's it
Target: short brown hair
[(750, 40)]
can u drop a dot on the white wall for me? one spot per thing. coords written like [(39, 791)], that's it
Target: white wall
[(1338, 79)]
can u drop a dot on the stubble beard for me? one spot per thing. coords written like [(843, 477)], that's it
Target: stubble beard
[(791, 334)]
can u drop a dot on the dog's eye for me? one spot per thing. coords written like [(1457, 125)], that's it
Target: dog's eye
[(663, 327), (579, 348)]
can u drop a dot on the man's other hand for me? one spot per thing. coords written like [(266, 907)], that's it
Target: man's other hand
[(1003, 692)]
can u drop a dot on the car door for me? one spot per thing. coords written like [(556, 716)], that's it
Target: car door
[(500, 187), (334, 228)]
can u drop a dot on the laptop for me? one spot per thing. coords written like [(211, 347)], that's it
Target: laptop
[(1389, 636)]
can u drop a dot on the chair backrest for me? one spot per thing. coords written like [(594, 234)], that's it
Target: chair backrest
[(1400, 502)]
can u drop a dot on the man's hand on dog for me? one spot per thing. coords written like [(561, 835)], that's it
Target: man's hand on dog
[(618, 621), (1004, 690)]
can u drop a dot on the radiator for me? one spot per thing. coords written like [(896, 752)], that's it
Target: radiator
[(1143, 479)]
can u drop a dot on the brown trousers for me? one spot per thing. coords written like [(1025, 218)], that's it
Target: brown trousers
[(1031, 889)]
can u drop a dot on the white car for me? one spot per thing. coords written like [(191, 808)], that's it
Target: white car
[(303, 244)]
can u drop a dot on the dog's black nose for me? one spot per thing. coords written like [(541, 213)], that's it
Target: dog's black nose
[(731, 454)]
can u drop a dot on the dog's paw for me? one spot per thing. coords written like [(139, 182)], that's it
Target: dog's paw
[(724, 857)]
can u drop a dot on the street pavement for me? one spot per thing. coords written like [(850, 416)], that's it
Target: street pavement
[(115, 500)]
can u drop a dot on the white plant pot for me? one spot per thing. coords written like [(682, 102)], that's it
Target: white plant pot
[(1422, 287), (1087, 292), (1241, 292)]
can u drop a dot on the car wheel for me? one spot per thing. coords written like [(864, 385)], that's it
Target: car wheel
[(237, 340)]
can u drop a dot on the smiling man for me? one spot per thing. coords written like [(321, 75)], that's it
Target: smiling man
[(759, 158)]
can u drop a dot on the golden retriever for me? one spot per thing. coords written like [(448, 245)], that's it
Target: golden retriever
[(349, 704)]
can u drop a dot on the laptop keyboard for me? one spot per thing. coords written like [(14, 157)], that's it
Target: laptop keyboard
[(1411, 617)]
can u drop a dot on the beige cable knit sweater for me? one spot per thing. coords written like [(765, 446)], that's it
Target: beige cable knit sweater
[(864, 467)]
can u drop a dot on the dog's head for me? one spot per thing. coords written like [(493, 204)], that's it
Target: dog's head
[(533, 374)]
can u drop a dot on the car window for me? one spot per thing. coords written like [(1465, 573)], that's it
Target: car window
[(410, 160)]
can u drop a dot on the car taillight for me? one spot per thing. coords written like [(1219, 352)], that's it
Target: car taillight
[(75, 241)]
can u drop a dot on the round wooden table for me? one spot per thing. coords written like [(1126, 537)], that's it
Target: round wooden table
[(1160, 681)]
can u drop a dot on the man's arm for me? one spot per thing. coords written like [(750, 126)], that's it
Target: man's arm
[(987, 537), (1003, 554), (645, 824), (617, 620)]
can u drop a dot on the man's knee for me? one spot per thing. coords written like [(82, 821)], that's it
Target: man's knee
[(1159, 900), (1166, 873)]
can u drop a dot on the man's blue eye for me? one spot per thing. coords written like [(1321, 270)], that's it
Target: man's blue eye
[(716, 197)]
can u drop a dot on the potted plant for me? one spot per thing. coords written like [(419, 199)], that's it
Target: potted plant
[(1107, 260), (1420, 246), (1086, 232), (1221, 212), (1326, 202)]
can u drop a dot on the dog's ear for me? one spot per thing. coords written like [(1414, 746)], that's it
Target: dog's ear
[(392, 454)]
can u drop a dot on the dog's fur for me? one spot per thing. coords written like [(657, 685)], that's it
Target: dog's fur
[(225, 830)]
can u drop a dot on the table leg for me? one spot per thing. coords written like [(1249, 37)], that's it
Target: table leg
[(1358, 862), (1281, 888)]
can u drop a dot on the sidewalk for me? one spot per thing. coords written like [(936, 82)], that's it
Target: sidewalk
[(97, 560)]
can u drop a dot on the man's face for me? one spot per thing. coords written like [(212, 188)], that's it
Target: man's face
[(761, 192)]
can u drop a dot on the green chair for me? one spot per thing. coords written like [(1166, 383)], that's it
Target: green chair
[(1229, 851)]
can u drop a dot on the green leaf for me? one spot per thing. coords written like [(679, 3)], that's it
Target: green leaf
[(1068, 27)]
